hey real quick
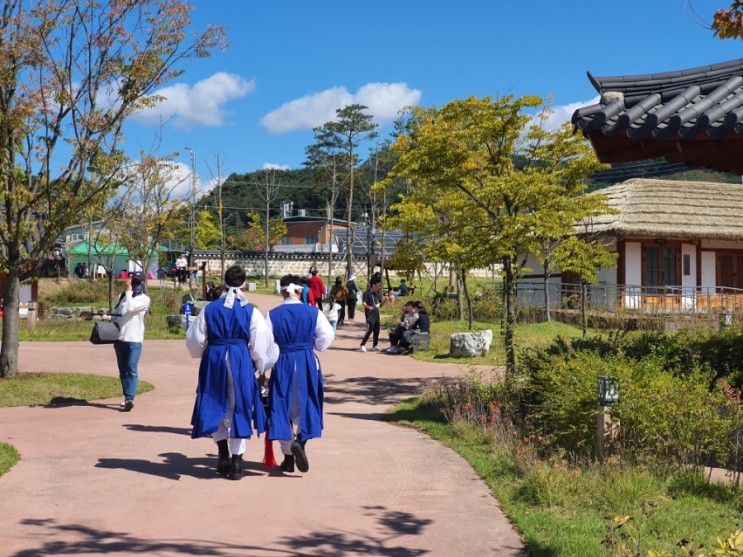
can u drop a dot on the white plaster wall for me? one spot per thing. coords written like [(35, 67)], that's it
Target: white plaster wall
[(633, 263), (689, 282), (633, 274), (709, 277)]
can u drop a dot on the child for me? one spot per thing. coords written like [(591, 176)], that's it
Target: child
[(331, 312)]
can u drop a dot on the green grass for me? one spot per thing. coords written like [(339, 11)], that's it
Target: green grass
[(30, 389), (563, 510), (57, 330), (8, 457), (527, 335)]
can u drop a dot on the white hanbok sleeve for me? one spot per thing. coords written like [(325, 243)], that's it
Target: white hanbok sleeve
[(324, 335), (196, 340), (263, 350)]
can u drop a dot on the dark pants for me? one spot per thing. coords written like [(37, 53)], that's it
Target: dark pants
[(396, 335), (351, 304), (372, 327), (341, 312), (318, 301)]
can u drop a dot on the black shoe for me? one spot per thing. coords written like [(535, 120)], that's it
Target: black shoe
[(236, 467), (128, 405), (300, 456), (288, 464), (223, 464)]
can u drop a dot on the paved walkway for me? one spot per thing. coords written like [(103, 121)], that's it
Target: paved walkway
[(93, 480)]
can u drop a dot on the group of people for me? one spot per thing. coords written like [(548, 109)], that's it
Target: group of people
[(414, 320), (244, 356), (259, 374)]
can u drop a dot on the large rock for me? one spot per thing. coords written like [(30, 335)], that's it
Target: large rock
[(469, 345)]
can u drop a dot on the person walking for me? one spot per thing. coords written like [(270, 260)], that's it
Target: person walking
[(129, 316), (296, 384), (233, 341), (339, 293), (352, 297), (372, 302), (317, 286)]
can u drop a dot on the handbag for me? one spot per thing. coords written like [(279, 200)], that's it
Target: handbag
[(104, 332)]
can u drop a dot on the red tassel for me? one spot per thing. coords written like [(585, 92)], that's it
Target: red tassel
[(269, 460)]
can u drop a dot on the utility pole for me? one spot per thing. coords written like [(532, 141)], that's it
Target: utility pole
[(221, 210), (192, 220)]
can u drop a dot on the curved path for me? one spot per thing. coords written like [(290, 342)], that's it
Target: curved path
[(93, 480)]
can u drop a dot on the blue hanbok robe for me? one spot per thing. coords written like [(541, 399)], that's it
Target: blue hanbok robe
[(294, 332), (228, 333)]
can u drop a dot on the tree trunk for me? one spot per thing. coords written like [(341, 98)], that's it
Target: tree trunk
[(508, 285), (545, 264), (350, 236), (583, 320), (11, 325), (460, 300), (111, 291), (467, 297)]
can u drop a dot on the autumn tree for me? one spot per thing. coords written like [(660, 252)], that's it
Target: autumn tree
[(728, 23), (564, 160), (466, 150), (72, 72), (207, 230), (343, 136), (150, 201), (276, 230)]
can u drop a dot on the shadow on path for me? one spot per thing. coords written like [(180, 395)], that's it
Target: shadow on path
[(390, 526), (374, 390), (158, 429), (173, 466), (64, 401)]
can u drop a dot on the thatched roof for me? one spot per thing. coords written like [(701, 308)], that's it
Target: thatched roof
[(673, 210)]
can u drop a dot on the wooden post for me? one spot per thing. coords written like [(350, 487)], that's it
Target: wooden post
[(31, 317), (607, 434)]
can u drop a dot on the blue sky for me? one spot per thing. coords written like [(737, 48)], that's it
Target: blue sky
[(291, 63)]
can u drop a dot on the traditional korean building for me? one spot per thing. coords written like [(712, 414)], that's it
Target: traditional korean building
[(679, 244)]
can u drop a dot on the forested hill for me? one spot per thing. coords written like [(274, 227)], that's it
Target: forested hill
[(306, 188)]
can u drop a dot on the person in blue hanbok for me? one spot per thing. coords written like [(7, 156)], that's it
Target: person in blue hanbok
[(296, 384), (233, 341)]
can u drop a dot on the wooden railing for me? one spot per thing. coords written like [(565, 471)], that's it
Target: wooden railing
[(634, 299)]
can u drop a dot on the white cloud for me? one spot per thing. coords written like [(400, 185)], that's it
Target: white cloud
[(563, 113), (384, 100), (197, 105), (274, 166)]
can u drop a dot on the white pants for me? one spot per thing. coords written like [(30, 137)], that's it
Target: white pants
[(237, 446)]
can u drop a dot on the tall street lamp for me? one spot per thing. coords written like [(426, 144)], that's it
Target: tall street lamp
[(192, 220)]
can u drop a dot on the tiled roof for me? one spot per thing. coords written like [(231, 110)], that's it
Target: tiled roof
[(709, 99), (679, 115)]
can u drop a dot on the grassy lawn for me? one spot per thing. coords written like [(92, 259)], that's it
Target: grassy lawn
[(8, 457), (29, 389), (563, 510), (155, 328), (527, 335)]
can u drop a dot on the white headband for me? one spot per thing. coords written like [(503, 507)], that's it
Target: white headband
[(291, 288), (232, 293)]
